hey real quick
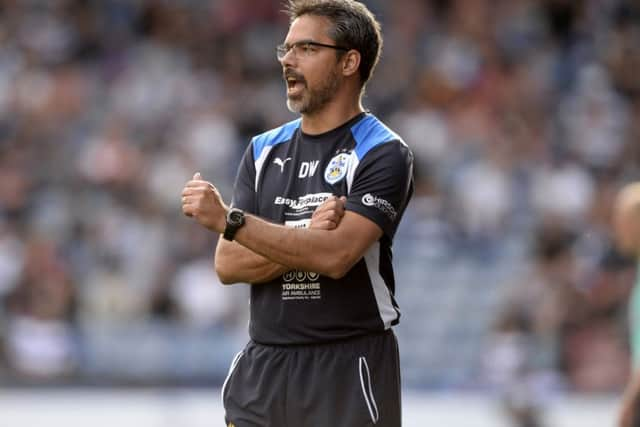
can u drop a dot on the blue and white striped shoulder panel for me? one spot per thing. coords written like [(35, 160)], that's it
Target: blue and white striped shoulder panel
[(369, 133), (273, 137), (264, 143)]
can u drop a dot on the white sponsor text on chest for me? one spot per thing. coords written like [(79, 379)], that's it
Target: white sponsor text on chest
[(314, 199)]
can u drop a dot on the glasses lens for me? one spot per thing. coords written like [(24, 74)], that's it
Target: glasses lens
[(281, 51)]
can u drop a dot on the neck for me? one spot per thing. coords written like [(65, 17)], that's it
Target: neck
[(334, 114)]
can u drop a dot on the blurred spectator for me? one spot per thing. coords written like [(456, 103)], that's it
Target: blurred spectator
[(39, 341), (552, 331), (522, 114), (200, 298)]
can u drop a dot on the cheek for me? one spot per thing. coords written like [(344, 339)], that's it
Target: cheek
[(627, 233), (620, 231), (316, 75), (310, 77), (634, 235)]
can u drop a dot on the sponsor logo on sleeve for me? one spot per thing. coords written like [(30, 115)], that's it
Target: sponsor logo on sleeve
[(337, 168), (380, 204)]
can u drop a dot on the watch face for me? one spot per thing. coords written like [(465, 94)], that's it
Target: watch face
[(235, 220), (235, 217)]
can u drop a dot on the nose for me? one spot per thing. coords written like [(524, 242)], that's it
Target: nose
[(288, 59)]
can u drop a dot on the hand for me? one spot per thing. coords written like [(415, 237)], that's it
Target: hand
[(328, 215), (202, 201)]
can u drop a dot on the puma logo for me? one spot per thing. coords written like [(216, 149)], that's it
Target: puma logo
[(278, 161)]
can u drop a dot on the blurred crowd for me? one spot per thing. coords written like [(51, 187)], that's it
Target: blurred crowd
[(524, 117)]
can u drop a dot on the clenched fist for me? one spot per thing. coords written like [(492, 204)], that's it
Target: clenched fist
[(202, 201), (328, 215)]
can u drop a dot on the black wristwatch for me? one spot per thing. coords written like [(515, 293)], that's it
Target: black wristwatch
[(235, 220)]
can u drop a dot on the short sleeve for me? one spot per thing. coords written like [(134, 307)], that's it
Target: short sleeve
[(244, 193), (382, 185)]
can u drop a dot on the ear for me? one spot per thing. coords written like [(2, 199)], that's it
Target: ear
[(350, 63)]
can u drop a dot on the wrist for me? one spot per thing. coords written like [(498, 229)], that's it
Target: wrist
[(222, 222), (234, 220)]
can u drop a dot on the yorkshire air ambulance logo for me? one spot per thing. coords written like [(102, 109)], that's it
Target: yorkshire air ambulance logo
[(337, 168)]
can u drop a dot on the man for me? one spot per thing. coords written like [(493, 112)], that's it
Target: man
[(315, 207), (626, 222)]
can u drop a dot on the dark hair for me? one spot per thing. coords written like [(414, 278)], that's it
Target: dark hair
[(354, 27)]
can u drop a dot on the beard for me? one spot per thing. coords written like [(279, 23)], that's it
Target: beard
[(312, 100)]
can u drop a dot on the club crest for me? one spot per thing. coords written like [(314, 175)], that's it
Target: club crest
[(337, 168)]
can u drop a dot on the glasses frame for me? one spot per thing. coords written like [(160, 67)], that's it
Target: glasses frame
[(283, 49)]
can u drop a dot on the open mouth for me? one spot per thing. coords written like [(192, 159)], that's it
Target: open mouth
[(295, 83)]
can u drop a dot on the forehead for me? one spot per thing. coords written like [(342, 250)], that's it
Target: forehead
[(309, 27)]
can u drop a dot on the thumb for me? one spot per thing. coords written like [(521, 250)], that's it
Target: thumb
[(344, 199), (197, 176)]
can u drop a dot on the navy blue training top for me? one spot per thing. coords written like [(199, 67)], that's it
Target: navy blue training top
[(284, 175)]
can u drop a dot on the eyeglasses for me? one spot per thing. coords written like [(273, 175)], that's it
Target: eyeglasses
[(303, 48)]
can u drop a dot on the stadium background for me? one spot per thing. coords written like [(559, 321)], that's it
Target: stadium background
[(524, 116)]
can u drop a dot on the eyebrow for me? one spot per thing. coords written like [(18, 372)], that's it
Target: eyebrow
[(300, 42), (315, 43)]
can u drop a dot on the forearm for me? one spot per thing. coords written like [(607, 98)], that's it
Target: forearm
[(330, 252), (237, 264), (320, 251)]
